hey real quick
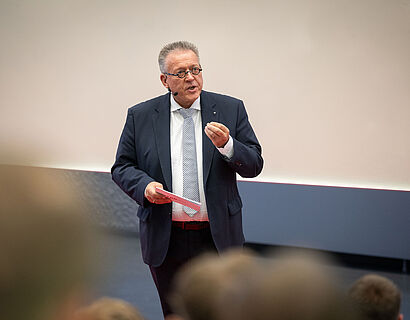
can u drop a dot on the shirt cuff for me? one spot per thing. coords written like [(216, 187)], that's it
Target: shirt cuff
[(227, 150)]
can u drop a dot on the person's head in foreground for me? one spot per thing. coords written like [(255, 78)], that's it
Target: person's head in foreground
[(376, 298), (44, 246), (199, 284), (109, 309), (287, 286)]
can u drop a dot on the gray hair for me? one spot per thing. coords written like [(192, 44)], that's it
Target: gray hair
[(178, 45)]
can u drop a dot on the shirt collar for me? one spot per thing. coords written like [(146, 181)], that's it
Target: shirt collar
[(195, 105)]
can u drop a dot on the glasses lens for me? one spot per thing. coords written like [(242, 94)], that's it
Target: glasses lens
[(181, 74), (195, 71)]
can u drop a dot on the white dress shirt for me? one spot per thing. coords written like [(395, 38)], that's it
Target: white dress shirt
[(176, 127)]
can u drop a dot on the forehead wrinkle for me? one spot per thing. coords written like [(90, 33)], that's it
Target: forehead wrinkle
[(180, 61), (184, 65), (184, 69)]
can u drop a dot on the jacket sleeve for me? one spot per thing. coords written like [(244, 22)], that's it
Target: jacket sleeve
[(125, 171), (247, 158)]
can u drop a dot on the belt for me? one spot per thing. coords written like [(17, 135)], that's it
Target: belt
[(195, 225)]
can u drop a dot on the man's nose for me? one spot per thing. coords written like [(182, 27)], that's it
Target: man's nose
[(189, 76)]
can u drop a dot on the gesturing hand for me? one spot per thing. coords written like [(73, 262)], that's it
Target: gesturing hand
[(153, 196), (218, 133)]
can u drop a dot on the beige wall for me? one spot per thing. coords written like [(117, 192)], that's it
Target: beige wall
[(326, 83)]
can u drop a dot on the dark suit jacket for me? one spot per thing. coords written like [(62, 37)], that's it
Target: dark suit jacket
[(143, 156)]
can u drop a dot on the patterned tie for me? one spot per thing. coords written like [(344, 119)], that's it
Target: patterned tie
[(189, 164)]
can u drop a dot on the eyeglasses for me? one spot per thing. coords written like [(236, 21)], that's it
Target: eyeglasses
[(182, 74)]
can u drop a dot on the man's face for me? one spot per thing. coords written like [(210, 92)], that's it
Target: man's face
[(188, 88)]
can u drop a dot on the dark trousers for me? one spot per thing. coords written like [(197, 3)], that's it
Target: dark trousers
[(184, 245)]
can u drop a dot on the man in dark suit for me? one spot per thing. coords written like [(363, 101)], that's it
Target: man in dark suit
[(152, 153)]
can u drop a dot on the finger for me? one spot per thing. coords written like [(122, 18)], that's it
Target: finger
[(215, 130), (159, 197), (211, 135), (208, 131), (207, 134), (150, 190), (220, 126), (218, 131), (155, 194), (218, 139)]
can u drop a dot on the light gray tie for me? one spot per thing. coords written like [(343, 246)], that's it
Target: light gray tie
[(189, 163)]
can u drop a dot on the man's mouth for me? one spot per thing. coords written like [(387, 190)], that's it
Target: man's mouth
[(191, 88)]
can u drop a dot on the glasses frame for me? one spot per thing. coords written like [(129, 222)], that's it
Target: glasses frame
[(182, 74)]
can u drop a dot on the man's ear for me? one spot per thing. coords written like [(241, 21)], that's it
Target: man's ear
[(400, 317), (163, 79)]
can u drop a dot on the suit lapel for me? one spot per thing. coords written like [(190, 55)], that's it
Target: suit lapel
[(161, 125), (209, 113)]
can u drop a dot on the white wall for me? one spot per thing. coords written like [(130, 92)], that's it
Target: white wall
[(326, 83)]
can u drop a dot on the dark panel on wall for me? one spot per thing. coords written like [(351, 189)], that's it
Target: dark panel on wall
[(350, 220), (109, 206)]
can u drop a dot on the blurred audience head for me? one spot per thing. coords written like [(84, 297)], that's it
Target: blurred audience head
[(288, 286), (376, 298), (198, 285), (109, 309), (44, 245)]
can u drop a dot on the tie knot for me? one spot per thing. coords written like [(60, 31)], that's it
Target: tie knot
[(186, 113)]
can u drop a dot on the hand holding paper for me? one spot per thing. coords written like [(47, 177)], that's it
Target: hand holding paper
[(153, 196), (184, 201)]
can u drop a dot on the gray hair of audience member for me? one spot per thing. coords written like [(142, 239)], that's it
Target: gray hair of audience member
[(109, 309), (376, 298), (198, 284), (167, 49), (288, 287), (44, 244)]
